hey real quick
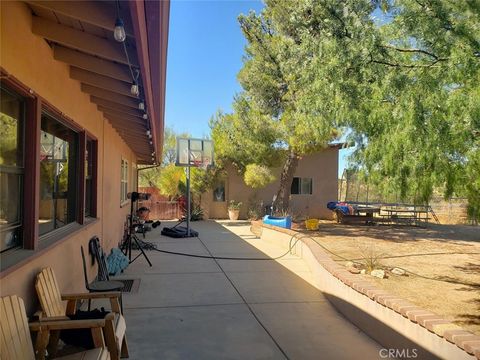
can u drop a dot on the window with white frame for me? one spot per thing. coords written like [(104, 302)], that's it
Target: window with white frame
[(124, 181), (301, 186)]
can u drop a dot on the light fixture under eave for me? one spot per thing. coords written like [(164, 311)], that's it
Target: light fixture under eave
[(134, 89), (148, 132), (145, 116), (119, 31), (141, 105)]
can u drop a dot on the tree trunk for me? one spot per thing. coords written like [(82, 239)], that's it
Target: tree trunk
[(282, 199)]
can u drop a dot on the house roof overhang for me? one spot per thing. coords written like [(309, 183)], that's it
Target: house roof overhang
[(81, 35)]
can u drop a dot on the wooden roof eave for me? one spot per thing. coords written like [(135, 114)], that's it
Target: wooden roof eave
[(145, 22)]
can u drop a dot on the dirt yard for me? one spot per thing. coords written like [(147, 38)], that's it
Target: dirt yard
[(447, 256)]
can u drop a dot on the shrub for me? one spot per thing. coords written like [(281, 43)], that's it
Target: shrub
[(258, 176)]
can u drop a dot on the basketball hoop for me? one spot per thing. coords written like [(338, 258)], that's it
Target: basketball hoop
[(194, 153), (191, 153)]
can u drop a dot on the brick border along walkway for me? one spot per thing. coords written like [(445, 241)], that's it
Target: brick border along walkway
[(434, 323)]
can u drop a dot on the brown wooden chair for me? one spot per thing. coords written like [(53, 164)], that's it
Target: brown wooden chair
[(51, 301), (16, 343)]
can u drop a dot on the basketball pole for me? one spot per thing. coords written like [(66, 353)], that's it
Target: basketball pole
[(188, 201)]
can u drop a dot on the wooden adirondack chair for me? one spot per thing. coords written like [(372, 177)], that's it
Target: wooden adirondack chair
[(15, 340), (51, 301)]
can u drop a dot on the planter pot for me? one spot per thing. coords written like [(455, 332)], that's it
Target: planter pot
[(233, 214)]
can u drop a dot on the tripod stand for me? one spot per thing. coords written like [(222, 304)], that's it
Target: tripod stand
[(131, 237)]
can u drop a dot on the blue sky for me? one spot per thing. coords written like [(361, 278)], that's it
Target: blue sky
[(205, 52)]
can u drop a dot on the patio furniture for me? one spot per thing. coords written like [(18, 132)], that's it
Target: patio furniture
[(16, 343), (103, 282), (51, 302), (407, 215)]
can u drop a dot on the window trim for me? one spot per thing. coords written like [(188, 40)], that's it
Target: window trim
[(32, 243), (94, 181), (300, 185), (123, 200), (54, 114)]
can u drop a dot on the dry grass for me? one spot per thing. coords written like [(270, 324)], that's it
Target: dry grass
[(448, 258)]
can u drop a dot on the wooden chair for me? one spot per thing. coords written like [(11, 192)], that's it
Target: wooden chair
[(16, 343), (51, 301), (106, 285)]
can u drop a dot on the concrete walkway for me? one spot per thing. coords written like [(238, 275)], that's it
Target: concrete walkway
[(192, 308)]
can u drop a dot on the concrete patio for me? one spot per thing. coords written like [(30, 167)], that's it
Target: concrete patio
[(193, 308)]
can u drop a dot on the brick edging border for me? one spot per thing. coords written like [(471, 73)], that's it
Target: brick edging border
[(434, 323)]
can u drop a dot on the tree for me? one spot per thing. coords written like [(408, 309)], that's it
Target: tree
[(153, 176), (420, 131), (298, 79), (406, 86)]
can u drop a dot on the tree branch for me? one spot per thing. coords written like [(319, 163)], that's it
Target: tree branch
[(413, 50)]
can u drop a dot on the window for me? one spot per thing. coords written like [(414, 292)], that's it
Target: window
[(301, 186), (90, 178), (124, 182), (219, 192), (58, 170), (12, 111)]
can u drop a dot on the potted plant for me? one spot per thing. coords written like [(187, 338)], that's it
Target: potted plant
[(234, 209)]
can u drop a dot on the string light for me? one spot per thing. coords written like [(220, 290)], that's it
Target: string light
[(134, 89), (119, 31)]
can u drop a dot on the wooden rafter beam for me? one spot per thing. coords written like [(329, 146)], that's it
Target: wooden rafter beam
[(103, 82), (132, 120), (128, 125), (114, 106), (110, 96), (92, 63), (102, 14), (80, 40)]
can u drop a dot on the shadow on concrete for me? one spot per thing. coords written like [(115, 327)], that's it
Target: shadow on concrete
[(288, 306), (379, 331)]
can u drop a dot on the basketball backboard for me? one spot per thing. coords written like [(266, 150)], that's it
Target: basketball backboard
[(194, 152)]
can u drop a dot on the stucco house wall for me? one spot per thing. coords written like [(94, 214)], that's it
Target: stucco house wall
[(30, 60), (321, 167)]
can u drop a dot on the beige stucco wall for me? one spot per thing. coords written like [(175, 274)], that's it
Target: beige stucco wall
[(322, 167), (30, 59)]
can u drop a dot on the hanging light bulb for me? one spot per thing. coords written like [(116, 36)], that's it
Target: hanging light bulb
[(141, 105), (145, 116), (134, 89), (153, 153), (119, 31), (151, 142), (149, 136), (148, 132)]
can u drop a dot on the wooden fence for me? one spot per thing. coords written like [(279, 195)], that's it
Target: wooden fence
[(162, 210)]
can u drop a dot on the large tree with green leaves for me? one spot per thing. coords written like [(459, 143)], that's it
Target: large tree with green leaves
[(420, 129), (300, 69), (405, 84)]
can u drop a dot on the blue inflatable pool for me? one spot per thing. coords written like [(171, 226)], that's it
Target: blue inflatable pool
[(284, 222)]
